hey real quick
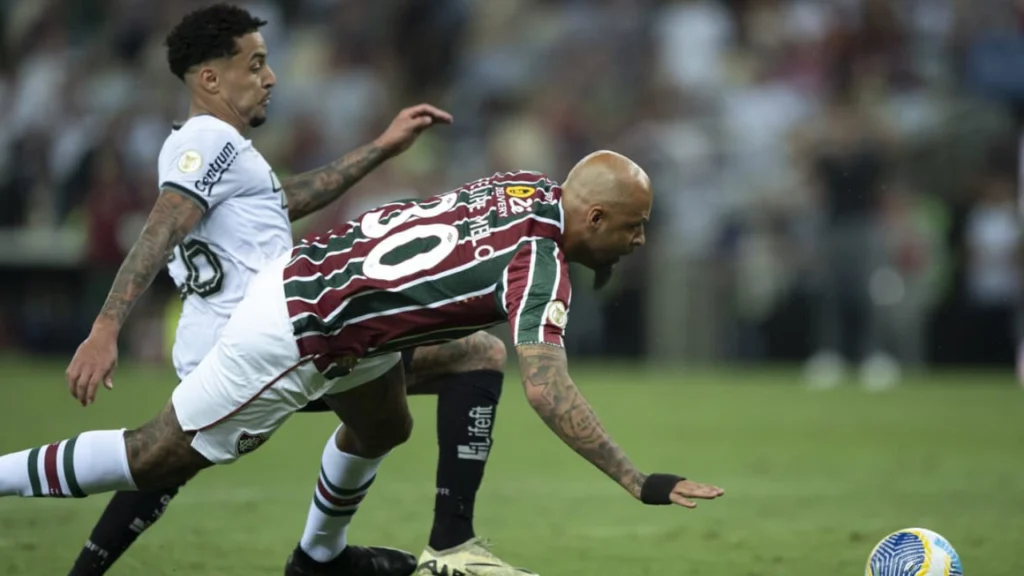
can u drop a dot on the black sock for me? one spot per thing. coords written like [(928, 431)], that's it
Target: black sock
[(127, 516), (466, 406)]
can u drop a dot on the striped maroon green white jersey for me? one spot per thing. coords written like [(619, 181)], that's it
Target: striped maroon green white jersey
[(415, 273)]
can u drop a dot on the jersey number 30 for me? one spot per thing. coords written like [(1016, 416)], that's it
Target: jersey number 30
[(443, 239)]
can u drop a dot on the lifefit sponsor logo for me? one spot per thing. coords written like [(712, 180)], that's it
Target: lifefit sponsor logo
[(140, 525), (481, 420)]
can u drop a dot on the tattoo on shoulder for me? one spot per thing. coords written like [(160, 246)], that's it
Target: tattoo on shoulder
[(559, 403)]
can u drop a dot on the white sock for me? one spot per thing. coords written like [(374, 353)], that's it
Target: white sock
[(89, 463), (344, 481)]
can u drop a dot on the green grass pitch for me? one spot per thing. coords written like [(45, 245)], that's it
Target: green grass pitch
[(812, 479)]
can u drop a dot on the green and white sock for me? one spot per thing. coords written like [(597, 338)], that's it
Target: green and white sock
[(344, 481), (89, 463)]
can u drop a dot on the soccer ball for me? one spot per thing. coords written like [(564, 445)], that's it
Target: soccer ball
[(914, 552)]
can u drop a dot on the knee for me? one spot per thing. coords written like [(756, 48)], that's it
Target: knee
[(488, 352), (399, 430), (403, 430), (152, 466), (160, 455), (385, 436)]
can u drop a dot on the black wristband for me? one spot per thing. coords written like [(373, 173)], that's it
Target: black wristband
[(657, 489)]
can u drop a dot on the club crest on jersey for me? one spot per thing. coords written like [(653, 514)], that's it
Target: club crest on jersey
[(249, 442), (520, 191), (556, 314), (189, 161)]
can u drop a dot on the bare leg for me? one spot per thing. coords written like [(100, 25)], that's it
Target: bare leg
[(432, 365), (376, 419), (376, 416), (160, 453)]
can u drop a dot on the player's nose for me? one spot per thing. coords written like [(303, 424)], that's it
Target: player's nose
[(271, 78)]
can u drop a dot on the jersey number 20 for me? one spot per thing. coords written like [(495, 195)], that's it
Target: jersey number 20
[(443, 238)]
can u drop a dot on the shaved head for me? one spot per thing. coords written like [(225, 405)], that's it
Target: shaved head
[(607, 200), (605, 176)]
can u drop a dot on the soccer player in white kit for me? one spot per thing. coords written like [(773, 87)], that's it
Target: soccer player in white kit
[(226, 214)]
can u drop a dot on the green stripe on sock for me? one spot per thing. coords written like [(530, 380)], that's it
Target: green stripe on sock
[(329, 511), (69, 469), (343, 492), (33, 472)]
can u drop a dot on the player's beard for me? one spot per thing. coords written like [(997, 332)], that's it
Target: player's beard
[(602, 276), (257, 121)]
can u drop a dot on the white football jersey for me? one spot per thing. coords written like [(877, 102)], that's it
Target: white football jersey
[(245, 227)]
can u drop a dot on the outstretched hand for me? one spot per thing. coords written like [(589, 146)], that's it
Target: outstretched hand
[(408, 125), (685, 490)]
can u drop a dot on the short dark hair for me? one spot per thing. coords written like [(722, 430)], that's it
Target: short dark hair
[(207, 34)]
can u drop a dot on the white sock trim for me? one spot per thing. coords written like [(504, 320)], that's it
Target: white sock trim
[(344, 481)]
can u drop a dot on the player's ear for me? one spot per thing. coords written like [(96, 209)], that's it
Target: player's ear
[(595, 216), (207, 78)]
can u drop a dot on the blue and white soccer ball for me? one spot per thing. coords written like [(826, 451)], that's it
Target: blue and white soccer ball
[(914, 552)]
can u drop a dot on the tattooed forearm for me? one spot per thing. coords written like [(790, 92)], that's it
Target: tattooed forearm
[(311, 191), (171, 219), (559, 403)]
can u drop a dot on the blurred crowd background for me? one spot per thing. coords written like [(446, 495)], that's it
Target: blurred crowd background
[(836, 180)]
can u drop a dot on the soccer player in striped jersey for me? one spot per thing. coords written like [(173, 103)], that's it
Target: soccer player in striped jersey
[(328, 321)]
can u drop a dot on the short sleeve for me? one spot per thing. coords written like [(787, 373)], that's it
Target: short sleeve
[(535, 292), (200, 163)]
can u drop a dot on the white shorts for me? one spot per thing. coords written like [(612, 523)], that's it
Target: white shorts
[(254, 379), (195, 337)]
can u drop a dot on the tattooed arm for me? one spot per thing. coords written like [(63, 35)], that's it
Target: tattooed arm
[(552, 393), (172, 218), (310, 191)]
